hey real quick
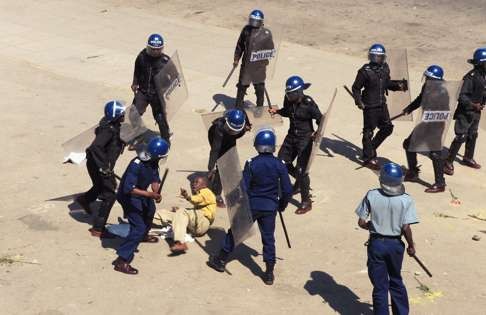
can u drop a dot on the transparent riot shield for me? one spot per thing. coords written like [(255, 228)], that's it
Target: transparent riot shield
[(439, 100), (171, 86), (258, 117), (397, 101), (133, 125), (320, 132), (131, 131), (259, 59), (235, 196), (75, 148)]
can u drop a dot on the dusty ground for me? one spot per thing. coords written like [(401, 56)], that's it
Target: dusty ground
[(61, 60)]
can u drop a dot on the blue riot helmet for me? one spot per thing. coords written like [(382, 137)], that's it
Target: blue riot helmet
[(479, 58), (265, 140), (294, 88), (155, 45), (377, 54), (156, 149), (434, 72), (391, 179), (114, 110), (255, 18), (235, 121)]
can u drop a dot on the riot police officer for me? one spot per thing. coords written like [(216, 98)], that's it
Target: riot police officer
[(252, 71), (101, 157), (150, 61), (468, 113), (301, 111), (222, 136), (369, 90), (264, 176), (433, 72), (138, 202)]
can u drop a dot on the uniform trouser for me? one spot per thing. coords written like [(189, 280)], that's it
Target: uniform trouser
[(385, 257), (297, 147), (435, 156), (266, 224), (466, 130), (142, 100), (104, 189), (241, 92), (377, 117), (183, 220), (140, 224)]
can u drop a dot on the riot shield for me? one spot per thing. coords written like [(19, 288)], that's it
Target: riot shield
[(439, 99), (171, 87), (397, 101), (258, 117), (260, 57), (237, 202), (75, 148), (133, 125), (131, 130), (320, 132)]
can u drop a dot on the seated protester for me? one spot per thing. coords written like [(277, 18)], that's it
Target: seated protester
[(138, 202), (196, 220)]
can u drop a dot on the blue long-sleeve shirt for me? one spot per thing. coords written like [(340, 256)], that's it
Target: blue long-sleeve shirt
[(267, 183)]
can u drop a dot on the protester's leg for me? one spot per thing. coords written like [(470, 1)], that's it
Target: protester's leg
[(179, 225)]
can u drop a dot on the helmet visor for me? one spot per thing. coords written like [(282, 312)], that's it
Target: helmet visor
[(255, 22), (378, 59)]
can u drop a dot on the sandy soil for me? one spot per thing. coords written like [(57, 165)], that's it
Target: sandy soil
[(61, 60)]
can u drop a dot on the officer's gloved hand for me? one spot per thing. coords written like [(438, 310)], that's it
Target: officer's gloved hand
[(211, 174), (105, 172), (477, 107), (403, 85)]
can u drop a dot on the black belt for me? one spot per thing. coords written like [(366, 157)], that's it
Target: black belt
[(375, 235)]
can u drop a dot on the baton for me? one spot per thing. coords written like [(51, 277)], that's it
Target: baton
[(229, 75), (284, 229), (422, 265), (351, 94), (166, 172), (117, 177), (268, 99), (349, 91), (397, 116)]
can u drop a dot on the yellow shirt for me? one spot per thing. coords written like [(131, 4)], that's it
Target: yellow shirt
[(205, 200)]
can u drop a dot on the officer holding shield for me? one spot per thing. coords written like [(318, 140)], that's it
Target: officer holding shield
[(255, 47), (472, 100), (434, 72), (148, 64), (101, 157), (267, 183)]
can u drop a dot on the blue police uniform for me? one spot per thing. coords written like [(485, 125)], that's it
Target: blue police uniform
[(268, 186), (139, 210)]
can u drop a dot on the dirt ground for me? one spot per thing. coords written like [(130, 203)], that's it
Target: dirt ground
[(61, 60)]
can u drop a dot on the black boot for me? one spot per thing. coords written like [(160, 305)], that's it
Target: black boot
[(268, 277), (218, 263)]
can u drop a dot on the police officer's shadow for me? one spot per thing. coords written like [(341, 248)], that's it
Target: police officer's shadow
[(244, 254), (75, 210), (224, 102), (339, 297), (349, 150)]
